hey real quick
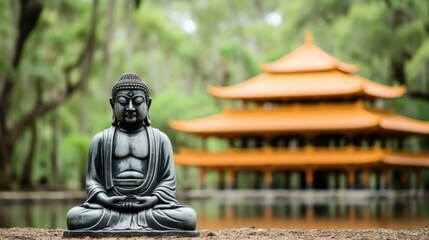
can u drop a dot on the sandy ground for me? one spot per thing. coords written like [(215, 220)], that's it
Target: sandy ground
[(244, 233)]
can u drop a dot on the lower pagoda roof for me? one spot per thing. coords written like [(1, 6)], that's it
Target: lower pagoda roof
[(271, 86), (308, 156), (299, 119)]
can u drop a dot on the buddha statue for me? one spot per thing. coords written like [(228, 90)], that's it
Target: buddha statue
[(130, 179)]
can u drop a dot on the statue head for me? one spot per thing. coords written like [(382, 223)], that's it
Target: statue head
[(130, 101)]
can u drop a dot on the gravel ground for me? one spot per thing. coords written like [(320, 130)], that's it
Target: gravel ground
[(244, 233)]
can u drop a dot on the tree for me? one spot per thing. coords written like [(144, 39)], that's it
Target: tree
[(12, 131)]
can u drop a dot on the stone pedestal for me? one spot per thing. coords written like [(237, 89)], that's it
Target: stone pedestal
[(129, 233)]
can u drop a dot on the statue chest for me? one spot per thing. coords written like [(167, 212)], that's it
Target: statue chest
[(130, 155), (130, 144)]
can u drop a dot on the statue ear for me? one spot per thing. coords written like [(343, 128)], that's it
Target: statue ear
[(112, 103), (149, 102), (114, 120), (147, 121)]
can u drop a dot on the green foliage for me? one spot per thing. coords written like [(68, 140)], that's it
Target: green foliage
[(74, 152)]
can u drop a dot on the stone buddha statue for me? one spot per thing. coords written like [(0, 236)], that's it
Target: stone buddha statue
[(130, 179)]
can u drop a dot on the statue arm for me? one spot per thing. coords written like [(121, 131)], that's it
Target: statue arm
[(93, 181), (166, 188)]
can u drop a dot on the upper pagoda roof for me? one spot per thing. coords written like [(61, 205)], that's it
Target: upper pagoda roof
[(300, 119), (307, 72), (268, 86), (308, 58)]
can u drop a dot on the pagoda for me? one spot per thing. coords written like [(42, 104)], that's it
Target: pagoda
[(308, 115)]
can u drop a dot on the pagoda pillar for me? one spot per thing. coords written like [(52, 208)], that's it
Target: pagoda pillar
[(231, 178), (365, 178), (385, 175), (309, 177), (351, 177), (268, 178), (203, 177)]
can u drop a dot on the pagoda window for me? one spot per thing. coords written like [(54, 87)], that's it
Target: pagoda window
[(322, 140), (331, 143), (341, 141), (380, 104), (240, 105), (371, 140), (236, 142), (230, 142), (251, 105), (248, 142), (243, 142), (364, 143), (281, 142), (269, 106), (383, 142), (293, 143), (357, 142)]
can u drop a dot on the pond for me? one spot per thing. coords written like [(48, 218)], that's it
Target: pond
[(260, 213)]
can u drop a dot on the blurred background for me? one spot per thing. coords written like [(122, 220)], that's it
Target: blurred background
[(59, 60)]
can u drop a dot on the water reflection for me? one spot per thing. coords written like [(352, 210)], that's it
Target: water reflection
[(290, 214)]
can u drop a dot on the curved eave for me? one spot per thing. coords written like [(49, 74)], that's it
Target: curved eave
[(403, 125), (262, 122), (278, 158), (407, 159), (307, 58), (295, 85), (318, 119), (375, 90)]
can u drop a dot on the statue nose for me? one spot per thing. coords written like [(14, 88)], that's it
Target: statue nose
[(130, 106)]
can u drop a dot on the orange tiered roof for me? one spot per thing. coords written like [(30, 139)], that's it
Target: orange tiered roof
[(306, 72), (285, 158), (297, 119)]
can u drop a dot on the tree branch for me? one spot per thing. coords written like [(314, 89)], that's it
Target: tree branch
[(84, 61), (30, 12)]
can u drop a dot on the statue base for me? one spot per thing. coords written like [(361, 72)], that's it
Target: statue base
[(129, 233)]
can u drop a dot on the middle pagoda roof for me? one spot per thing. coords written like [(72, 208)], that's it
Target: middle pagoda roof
[(326, 118), (307, 72)]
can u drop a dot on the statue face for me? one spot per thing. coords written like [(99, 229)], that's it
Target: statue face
[(130, 107)]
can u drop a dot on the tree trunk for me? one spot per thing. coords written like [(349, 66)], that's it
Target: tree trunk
[(27, 171), (55, 180), (128, 21), (6, 173), (110, 28)]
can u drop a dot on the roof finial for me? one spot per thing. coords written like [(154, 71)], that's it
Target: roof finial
[(308, 38)]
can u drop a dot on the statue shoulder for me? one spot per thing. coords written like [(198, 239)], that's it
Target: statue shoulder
[(99, 137), (163, 138)]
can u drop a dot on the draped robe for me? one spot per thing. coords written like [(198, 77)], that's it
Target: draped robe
[(160, 181)]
